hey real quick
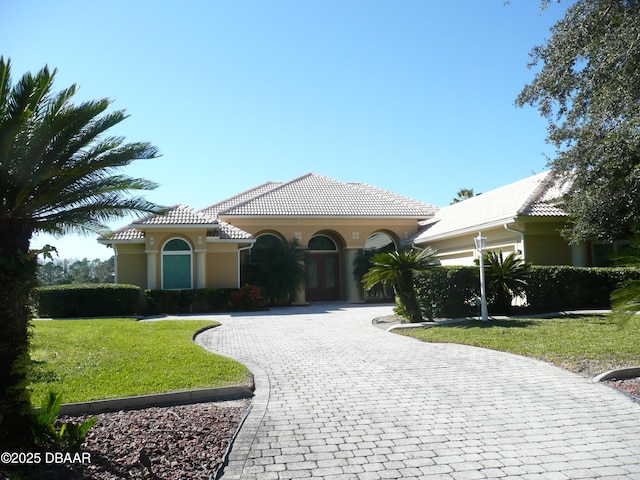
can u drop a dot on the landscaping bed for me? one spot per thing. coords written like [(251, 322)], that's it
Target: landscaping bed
[(182, 442), (629, 385)]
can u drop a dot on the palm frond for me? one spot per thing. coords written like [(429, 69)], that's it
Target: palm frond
[(57, 172)]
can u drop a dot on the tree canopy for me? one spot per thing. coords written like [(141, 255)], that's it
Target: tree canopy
[(588, 88), (59, 171)]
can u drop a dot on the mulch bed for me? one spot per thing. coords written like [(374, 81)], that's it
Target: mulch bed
[(629, 385), (180, 442)]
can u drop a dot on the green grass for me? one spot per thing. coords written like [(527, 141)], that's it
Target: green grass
[(587, 344), (108, 358)]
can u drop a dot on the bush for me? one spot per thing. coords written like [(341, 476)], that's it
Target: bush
[(53, 435), (448, 292), (553, 288), (204, 300), (86, 300)]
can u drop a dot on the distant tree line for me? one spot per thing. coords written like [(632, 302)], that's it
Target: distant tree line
[(65, 271)]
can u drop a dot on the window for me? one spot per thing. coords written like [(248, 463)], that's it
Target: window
[(322, 242), (176, 265)]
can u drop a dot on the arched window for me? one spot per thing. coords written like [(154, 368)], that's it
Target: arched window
[(322, 242), (177, 271)]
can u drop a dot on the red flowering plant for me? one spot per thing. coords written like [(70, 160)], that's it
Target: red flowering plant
[(248, 297)]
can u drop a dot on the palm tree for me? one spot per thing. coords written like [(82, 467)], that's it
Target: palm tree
[(506, 278), (463, 194), (277, 268), (57, 174), (398, 269)]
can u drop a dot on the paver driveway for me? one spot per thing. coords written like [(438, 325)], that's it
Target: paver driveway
[(337, 398)]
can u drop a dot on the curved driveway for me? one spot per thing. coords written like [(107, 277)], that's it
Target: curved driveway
[(337, 398)]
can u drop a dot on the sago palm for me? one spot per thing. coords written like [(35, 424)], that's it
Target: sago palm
[(398, 269), (505, 278), (58, 173)]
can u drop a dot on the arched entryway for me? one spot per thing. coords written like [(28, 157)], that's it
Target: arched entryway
[(322, 265), (378, 242)]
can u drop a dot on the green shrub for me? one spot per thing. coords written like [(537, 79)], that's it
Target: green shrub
[(86, 300), (448, 292), (51, 434), (204, 300), (556, 288)]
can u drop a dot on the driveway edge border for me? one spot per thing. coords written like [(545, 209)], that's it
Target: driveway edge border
[(186, 397)]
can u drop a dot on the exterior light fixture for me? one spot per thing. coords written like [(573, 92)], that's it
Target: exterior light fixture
[(481, 244)]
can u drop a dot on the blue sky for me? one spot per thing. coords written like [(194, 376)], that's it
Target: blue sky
[(415, 96)]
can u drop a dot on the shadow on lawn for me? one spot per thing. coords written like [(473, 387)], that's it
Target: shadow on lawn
[(492, 323)]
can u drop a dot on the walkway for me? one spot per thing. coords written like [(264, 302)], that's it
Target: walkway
[(339, 399)]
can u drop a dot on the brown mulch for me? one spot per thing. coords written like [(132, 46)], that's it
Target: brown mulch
[(629, 385), (179, 442)]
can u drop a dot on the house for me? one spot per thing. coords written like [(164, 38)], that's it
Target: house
[(333, 220), (520, 217)]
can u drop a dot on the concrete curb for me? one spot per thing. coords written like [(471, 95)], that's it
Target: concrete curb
[(159, 400), (437, 323), (629, 372)]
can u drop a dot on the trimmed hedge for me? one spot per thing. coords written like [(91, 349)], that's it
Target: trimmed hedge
[(554, 288), (203, 300), (450, 292), (86, 300)]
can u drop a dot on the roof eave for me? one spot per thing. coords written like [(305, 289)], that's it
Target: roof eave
[(466, 231), (188, 226), (107, 241)]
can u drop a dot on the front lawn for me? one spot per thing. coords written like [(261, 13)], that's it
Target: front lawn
[(97, 359), (588, 345)]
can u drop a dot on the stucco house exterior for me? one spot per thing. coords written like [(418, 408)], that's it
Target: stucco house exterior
[(520, 217), (332, 220)]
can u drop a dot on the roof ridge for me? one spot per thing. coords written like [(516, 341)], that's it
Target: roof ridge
[(278, 187), (391, 196), (245, 192), (151, 215), (535, 194)]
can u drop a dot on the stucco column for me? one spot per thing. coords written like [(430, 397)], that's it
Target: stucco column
[(152, 257), (300, 297), (354, 289), (201, 268)]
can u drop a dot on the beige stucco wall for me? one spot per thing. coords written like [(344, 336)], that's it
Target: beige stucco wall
[(222, 265), (460, 250), (131, 265), (220, 259), (352, 231), (349, 233), (543, 244)]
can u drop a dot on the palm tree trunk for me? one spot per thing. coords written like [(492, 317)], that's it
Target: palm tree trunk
[(17, 279), (406, 293)]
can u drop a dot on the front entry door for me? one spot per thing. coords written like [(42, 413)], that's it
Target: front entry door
[(322, 277)]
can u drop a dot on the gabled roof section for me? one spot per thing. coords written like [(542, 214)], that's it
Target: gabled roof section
[(216, 208), (178, 215), (532, 197), (314, 195)]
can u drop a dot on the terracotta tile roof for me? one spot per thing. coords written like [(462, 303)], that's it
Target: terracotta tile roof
[(178, 215), (216, 208), (317, 195), (533, 196), (122, 234), (229, 232), (308, 195)]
